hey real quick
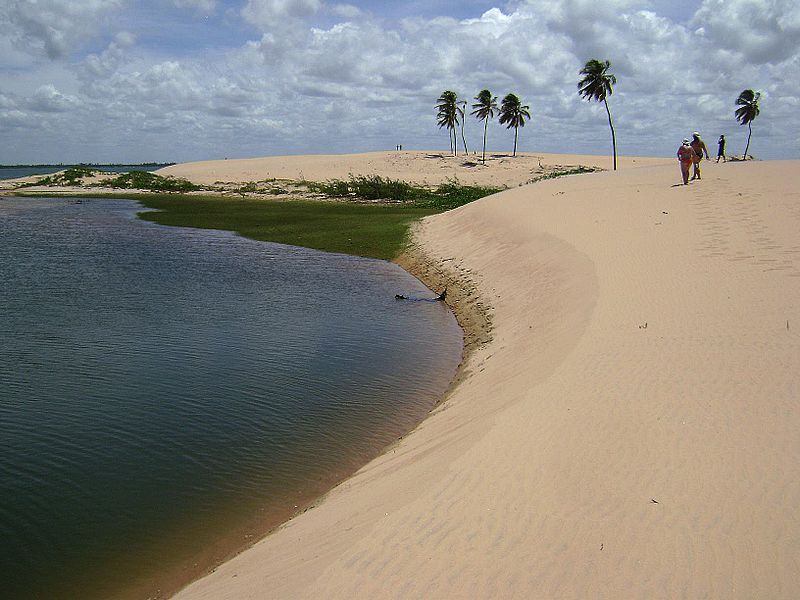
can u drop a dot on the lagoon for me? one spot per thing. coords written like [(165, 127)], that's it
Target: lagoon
[(169, 394)]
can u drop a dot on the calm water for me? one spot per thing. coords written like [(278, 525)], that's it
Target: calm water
[(15, 172), (166, 391)]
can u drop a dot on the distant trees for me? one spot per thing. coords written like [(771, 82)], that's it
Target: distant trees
[(484, 106), (447, 116), (513, 114), (597, 85), (748, 110)]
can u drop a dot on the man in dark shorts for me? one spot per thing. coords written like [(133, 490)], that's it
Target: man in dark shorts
[(721, 149)]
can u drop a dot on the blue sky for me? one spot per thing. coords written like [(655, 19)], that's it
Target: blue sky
[(178, 80)]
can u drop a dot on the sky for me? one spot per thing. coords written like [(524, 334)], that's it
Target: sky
[(181, 80)]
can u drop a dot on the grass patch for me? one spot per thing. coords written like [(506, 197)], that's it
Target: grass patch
[(376, 231)]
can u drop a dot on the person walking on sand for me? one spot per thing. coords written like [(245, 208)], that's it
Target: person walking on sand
[(686, 157), (699, 147), (721, 149)]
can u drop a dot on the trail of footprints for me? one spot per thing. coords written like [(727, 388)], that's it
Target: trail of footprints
[(742, 213)]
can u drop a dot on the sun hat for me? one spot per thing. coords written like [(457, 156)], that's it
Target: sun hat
[(685, 140)]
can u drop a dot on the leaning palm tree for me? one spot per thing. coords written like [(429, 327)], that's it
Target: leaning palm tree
[(747, 111), (484, 109), (462, 111), (513, 114), (596, 85), (448, 111)]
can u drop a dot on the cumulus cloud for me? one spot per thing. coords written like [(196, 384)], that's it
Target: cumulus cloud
[(761, 31), (51, 27), (105, 63), (49, 100), (316, 77)]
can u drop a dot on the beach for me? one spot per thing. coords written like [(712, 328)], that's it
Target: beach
[(627, 426)]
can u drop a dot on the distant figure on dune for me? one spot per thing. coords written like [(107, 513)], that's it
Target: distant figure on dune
[(721, 149), (699, 147), (686, 155)]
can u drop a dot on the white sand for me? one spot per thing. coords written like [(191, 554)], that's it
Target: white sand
[(631, 431), (432, 168)]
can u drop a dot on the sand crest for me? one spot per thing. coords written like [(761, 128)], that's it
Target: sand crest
[(431, 168), (632, 429)]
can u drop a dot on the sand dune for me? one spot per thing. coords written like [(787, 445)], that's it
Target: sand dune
[(631, 431), (430, 168)]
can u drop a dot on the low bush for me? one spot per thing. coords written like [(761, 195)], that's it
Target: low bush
[(144, 180)]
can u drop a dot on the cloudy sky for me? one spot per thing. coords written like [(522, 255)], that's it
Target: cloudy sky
[(178, 80)]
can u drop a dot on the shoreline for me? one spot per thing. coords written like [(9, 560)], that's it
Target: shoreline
[(625, 388), (473, 317), (611, 436)]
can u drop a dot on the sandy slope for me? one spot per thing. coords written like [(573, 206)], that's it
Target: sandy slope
[(632, 430)]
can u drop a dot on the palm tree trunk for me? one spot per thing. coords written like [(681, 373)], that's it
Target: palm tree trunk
[(516, 130), (613, 135), (463, 121), (485, 125), (749, 133)]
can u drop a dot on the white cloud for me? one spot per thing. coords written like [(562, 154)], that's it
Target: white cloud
[(760, 30), (201, 6), (52, 27), (49, 100), (318, 77), (269, 14), (103, 64)]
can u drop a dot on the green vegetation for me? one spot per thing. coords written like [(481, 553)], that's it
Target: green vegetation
[(72, 176), (513, 114), (565, 172), (374, 229), (448, 112), (443, 197), (144, 180), (377, 231), (134, 180), (484, 107)]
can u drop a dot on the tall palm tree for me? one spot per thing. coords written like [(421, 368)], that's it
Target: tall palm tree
[(484, 109), (596, 85), (747, 111), (448, 111), (513, 114), (462, 111)]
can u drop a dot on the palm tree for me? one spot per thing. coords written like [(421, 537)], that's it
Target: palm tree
[(484, 109), (596, 85), (513, 113), (747, 111), (462, 110), (447, 105)]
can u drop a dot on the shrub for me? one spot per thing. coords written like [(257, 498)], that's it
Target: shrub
[(144, 180)]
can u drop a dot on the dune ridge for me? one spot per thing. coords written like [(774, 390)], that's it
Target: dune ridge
[(631, 429)]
